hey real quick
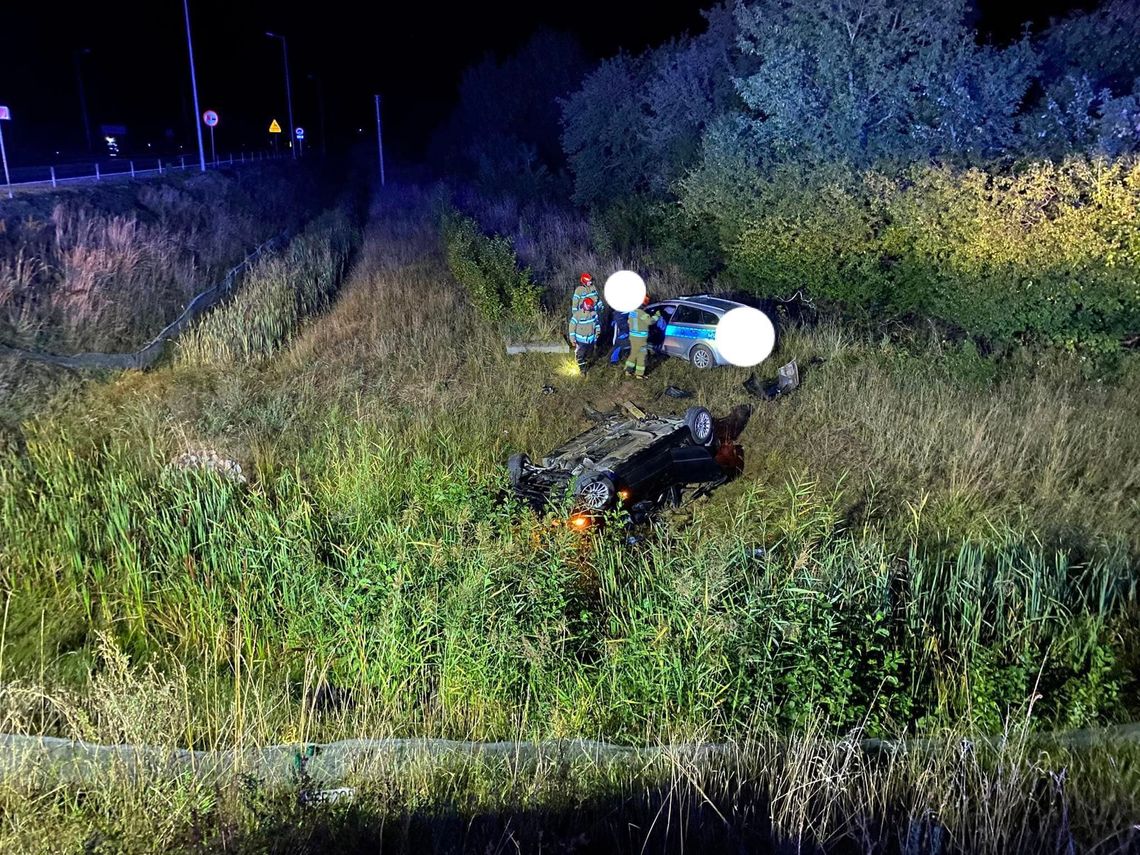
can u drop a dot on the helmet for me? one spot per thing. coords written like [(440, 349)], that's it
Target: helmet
[(588, 304), (586, 279)]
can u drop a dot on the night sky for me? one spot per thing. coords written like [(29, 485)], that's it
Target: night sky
[(136, 73)]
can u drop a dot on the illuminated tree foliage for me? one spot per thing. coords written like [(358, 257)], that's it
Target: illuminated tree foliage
[(870, 79), (877, 155), (1090, 83)]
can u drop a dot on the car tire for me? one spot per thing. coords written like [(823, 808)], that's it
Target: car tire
[(516, 465), (595, 491), (700, 424), (701, 357)]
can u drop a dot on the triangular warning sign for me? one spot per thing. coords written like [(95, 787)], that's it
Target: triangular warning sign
[(274, 128)]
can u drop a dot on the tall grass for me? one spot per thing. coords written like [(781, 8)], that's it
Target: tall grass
[(85, 275), (811, 792), (920, 544), (388, 562), (278, 294)]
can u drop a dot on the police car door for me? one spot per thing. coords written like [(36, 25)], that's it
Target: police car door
[(688, 326)]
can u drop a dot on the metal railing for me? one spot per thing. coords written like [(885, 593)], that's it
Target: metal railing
[(65, 175)]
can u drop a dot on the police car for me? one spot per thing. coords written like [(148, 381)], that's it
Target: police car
[(686, 328)]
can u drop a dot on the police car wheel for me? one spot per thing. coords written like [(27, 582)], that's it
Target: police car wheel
[(700, 424), (701, 357), (595, 491)]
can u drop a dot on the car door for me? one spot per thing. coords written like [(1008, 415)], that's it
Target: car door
[(688, 326), (661, 313)]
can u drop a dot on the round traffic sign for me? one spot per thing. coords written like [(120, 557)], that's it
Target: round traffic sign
[(300, 133), (210, 118)]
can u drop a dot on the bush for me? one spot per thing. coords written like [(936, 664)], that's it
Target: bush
[(1048, 253), (487, 267)]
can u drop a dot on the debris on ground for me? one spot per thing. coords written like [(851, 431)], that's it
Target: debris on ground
[(548, 389), (597, 415), (309, 797), (674, 392), (786, 380), (538, 347), (211, 461)]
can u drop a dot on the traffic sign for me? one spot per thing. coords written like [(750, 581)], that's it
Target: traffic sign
[(274, 128), (210, 118), (300, 133), (5, 113)]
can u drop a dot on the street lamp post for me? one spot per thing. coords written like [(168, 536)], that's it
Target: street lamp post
[(194, 87), (79, 54), (288, 92)]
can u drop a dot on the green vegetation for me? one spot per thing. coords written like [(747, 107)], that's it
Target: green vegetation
[(1049, 254), (488, 269), (105, 269), (948, 549), (276, 296), (883, 159), (880, 637), (681, 638)]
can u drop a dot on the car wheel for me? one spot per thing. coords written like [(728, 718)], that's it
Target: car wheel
[(700, 424), (595, 491), (516, 465), (701, 357)]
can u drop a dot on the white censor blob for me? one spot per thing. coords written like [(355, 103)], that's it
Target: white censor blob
[(745, 337), (624, 291)]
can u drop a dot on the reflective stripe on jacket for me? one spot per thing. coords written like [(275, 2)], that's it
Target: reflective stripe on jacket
[(639, 323), (581, 292), (585, 327)]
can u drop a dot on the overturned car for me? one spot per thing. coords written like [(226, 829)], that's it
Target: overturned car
[(633, 462)]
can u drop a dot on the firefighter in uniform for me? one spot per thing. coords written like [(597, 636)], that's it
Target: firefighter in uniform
[(585, 327), (639, 323), (586, 288)]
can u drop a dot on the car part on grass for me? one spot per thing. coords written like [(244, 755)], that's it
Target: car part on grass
[(538, 347), (675, 392), (596, 415), (210, 461), (787, 380), (635, 462), (548, 389)]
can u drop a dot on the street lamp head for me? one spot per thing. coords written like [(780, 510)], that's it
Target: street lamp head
[(272, 35)]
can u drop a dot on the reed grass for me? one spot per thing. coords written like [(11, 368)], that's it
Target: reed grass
[(921, 545)]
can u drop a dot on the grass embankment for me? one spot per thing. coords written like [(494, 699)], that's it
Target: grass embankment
[(948, 549), (105, 269)]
